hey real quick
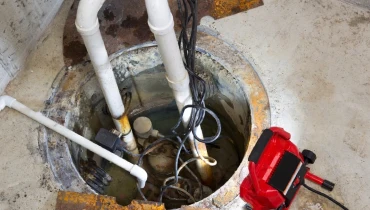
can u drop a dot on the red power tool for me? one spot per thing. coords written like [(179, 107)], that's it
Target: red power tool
[(276, 171)]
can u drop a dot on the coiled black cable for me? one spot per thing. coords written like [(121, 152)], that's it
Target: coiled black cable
[(189, 17), (187, 42)]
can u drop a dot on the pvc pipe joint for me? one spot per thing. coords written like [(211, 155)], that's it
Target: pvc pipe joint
[(162, 30), (159, 16), (88, 31)]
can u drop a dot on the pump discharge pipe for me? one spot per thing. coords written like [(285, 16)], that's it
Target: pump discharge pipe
[(134, 170), (162, 25), (87, 25)]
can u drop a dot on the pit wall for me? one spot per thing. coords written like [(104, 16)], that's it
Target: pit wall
[(360, 3), (22, 23)]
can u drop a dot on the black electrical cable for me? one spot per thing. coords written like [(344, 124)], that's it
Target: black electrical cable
[(181, 146), (141, 192), (164, 188), (189, 17), (146, 151), (325, 196), (189, 9), (197, 108)]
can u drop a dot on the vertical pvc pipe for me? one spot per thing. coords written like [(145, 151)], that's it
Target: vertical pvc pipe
[(87, 25), (162, 25)]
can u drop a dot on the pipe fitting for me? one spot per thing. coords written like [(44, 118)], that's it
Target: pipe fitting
[(179, 85), (143, 128), (164, 29), (87, 13), (88, 31), (6, 101), (130, 142), (140, 173), (159, 13)]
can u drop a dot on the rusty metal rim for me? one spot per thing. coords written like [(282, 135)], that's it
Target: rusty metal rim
[(246, 78)]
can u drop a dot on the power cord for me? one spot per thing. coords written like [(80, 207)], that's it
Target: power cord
[(188, 10), (325, 196), (189, 17)]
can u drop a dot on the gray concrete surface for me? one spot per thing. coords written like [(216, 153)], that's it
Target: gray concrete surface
[(22, 23), (26, 181), (360, 3), (313, 57)]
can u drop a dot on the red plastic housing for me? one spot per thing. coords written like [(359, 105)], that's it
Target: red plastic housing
[(255, 189)]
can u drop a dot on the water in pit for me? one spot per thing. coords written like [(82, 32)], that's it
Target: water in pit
[(123, 186), (153, 98)]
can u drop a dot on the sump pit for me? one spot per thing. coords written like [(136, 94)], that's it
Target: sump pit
[(79, 104), (152, 97)]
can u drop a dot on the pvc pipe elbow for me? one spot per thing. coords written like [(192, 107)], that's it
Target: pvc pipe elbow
[(160, 18), (87, 14), (6, 100), (140, 174)]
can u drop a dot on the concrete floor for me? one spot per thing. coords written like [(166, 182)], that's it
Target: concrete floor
[(312, 56), (26, 181)]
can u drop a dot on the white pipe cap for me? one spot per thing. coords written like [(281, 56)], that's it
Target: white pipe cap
[(143, 127)]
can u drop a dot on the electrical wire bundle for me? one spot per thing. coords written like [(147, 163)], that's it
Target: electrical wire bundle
[(188, 10), (189, 17)]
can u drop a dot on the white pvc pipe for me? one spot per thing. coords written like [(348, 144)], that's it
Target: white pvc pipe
[(162, 25), (87, 25), (134, 170)]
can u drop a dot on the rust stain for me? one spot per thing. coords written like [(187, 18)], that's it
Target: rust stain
[(124, 23), (75, 51), (224, 8), (259, 102), (112, 30), (76, 201), (69, 82), (140, 26), (125, 124), (81, 201)]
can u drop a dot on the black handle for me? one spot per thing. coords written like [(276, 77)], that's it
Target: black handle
[(328, 185)]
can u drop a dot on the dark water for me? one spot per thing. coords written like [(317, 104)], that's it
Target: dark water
[(223, 150)]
